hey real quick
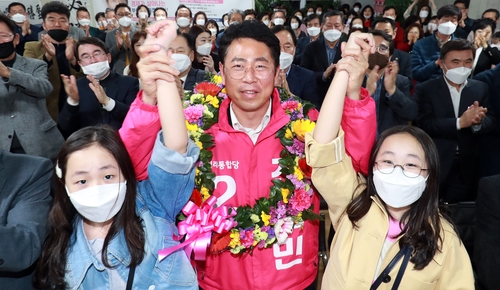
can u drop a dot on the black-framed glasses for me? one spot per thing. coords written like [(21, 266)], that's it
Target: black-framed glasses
[(238, 71), (383, 49), (410, 170), (96, 55)]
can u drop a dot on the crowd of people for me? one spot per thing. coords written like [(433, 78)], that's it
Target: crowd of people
[(385, 117)]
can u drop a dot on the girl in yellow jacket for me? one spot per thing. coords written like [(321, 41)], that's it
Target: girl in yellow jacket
[(389, 231)]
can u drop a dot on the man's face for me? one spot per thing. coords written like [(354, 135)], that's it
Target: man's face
[(160, 13), (7, 36), (180, 46), (89, 54), (122, 12), (279, 14), (235, 17), (17, 9), (113, 3), (313, 23), (381, 45), (462, 8), (458, 58), (55, 20), (490, 15), (447, 18), (385, 27), (333, 22), (183, 12), (391, 13), (250, 17), (82, 15), (110, 14), (248, 74), (286, 42)]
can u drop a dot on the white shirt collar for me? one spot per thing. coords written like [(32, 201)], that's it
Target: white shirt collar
[(252, 133)]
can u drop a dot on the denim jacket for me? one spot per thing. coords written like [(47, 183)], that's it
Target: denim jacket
[(160, 198)]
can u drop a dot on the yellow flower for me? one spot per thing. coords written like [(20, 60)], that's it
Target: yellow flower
[(196, 98), (301, 127), (224, 90), (197, 171), (198, 143), (204, 193), (255, 218), (285, 192), (288, 134), (265, 218), (207, 112), (298, 173), (213, 101), (259, 235), (191, 127), (217, 79), (235, 239)]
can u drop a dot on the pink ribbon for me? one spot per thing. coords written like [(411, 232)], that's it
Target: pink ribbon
[(198, 226)]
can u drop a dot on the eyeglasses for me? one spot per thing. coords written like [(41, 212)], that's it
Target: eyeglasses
[(6, 36), (409, 169), (238, 71), (95, 55), (383, 49)]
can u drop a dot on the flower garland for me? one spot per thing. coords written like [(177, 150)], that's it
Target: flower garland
[(273, 218)]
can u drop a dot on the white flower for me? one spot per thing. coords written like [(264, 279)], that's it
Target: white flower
[(282, 229)]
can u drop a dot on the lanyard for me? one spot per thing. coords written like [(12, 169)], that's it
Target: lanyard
[(384, 276), (130, 278)]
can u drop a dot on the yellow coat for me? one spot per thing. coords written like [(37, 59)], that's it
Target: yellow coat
[(35, 49), (355, 253)]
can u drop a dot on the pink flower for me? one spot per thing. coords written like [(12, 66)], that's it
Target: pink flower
[(246, 238), (194, 113), (290, 105), (300, 200)]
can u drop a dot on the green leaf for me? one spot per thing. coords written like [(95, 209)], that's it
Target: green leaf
[(285, 142), (206, 138), (311, 216)]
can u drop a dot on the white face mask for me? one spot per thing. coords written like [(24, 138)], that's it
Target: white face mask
[(390, 17), (357, 25), (213, 31), (200, 22), (266, 22), (103, 23), (278, 21), (226, 23), (84, 22), (432, 26), (367, 16), (332, 35), (447, 28), (313, 31), (423, 14), (183, 22), (294, 25), (299, 17), (97, 69), (110, 21), (319, 12), (18, 18), (160, 18), (309, 13), (99, 203), (125, 21), (458, 75), (286, 60), (496, 45), (204, 49), (143, 15), (356, 9), (396, 189), (182, 62)]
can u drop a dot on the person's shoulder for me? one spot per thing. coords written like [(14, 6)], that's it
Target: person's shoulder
[(33, 44), (304, 72), (29, 60), (22, 161), (477, 84)]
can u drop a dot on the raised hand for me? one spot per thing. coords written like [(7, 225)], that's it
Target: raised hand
[(473, 115), (390, 76), (208, 61), (70, 87), (127, 41), (70, 50), (50, 49), (373, 77), (119, 39), (161, 33), (328, 71), (98, 90)]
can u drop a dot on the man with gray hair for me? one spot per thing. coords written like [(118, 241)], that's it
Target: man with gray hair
[(234, 16)]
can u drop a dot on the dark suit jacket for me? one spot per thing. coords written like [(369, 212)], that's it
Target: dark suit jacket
[(299, 49), (316, 59), (489, 56), (487, 234), (118, 56), (25, 202), (404, 61), (302, 83), (89, 112), (436, 116), (194, 76)]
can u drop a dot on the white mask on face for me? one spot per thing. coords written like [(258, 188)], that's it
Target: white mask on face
[(458, 75), (447, 28), (299, 17), (319, 12), (182, 62), (226, 23), (432, 26), (99, 203), (294, 25), (313, 31), (286, 60), (332, 35), (125, 21), (356, 9), (213, 31), (367, 16), (110, 21), (18, 18), (423, 14), (357, 25), (103, 23), (143, 15), (183, 22), (309, 13), (396, 189), (204, 49), (97, 69), (84, 22), (266, 22), (200, 22), (390, 17), (278, 21), (160, 18)]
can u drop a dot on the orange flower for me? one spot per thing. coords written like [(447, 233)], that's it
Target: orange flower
[(207, 89), (196, 197), (306, 169)]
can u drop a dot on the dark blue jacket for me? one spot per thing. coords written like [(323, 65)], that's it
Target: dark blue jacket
[(424, 55), (302, 83)]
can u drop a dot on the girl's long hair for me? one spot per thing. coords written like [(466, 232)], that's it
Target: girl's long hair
[(51, 268), (423, 230)]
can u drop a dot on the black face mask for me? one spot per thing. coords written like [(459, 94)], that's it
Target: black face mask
[(6, 49), (58, 34), (377, 59)]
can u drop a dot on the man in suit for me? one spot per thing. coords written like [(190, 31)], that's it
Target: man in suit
[(183, 47), (296, 80), (83, 18), (26, 30), (453, 111), (313, 24), (25, 202), (321, 56), (25, 124), (487, 234), (465, 24), (388, 26), (57, 51), (103, 97), (118, 39), (390, 90), (183, 18), (234, 15)]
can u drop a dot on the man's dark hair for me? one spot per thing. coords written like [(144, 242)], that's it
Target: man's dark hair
[(449, 10), (278, 28), (10, 24), (90, 40), (15, 4), (99, 15), (386, 37), (160, 8), (387, 8), (357, 4), (183, 6), (332, 13), (189, 40), (319, 6), (249, 12), (81, 8), (311, 18), (491, 10), (252, 29), (466, 3), (383, 20), (496, 35), (120, 5), (483, 23), (261, 15), (56, 7), (456, 45)]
